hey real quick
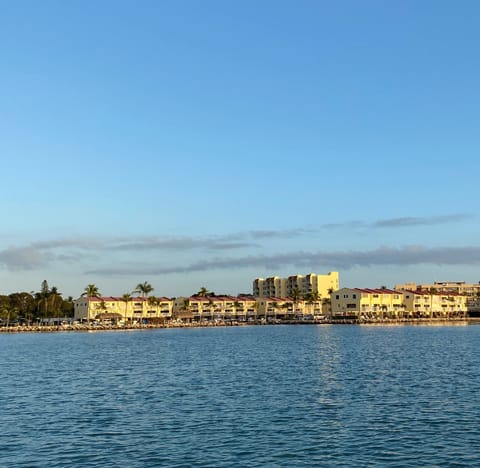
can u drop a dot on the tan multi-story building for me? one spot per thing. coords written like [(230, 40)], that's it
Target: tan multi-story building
[(210, 308), (151, 309), (366, 303), (283, 287), (393, 304), (244, 308), (459, 287)]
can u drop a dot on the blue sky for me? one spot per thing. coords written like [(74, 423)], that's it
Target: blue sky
[(205, 143)]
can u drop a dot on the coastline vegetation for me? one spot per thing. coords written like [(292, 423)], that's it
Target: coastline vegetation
[(32, 307)]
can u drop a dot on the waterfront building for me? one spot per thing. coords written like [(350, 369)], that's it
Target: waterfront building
[(244, 308), (357, 303), (145, 309), (366, 303), (307, 284), (210, 308), (459, 287)]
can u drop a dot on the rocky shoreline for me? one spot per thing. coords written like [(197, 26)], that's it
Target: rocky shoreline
[(109, 327)]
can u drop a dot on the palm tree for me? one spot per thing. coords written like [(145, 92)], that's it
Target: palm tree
[(144, 289), (327, 304), (186, 306), (91, 291), (204, 292), (126, 298), (55, 300), (154, 302), (275, 307), (295, 295), (9, 312), (285, 307), (101, 308)]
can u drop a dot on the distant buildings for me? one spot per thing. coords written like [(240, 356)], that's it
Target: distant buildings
[(304, 284), (460, 287), (112, 308), (310, 296), (368, 304)]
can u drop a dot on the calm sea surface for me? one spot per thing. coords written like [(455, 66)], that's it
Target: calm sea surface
[(242, 397)]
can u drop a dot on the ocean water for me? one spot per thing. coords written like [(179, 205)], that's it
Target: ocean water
[(282, 396)]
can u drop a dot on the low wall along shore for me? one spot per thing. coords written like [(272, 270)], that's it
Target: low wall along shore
[(178, 324)]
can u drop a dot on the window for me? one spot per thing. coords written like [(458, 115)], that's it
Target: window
[(354, 296), (337, 297)]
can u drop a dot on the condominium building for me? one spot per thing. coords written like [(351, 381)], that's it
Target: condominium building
[(244, 308), (208, 308), (306, 284), (151, 309), (460, 287), (367, 303)]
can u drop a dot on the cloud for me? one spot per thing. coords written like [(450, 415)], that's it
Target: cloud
[(178, 243), (41, 253), (408, 255), (23, 258), (419, 221)]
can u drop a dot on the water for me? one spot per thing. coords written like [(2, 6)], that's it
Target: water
[(247, 396)]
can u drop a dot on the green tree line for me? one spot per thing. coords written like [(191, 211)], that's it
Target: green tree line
[(30, 307)]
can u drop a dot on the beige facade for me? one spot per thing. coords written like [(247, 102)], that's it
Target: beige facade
[(395, 304), (306, 284), (435, 305), (149, 309), (243, 308), (459, 287), (366, 303), (210, 308)]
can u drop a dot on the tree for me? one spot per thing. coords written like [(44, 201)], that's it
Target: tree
[(91, 291), (275, 307), (144, 289), (204, 292), (101, 308), (154, 302), (42, 298), (126, 298), (55, 301), (9, 312), (24, 303), (295, 295), (186, 305)]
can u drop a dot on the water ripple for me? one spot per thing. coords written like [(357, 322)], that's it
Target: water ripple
[(334, 396)]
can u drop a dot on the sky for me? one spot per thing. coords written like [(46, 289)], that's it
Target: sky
[(206, 143)]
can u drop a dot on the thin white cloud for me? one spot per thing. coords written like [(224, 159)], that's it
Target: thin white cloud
[(420, 221), (41, 253), (404, 256)]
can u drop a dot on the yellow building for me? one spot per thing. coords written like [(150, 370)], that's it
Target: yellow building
[(373, 304), (424, 304), (459, 287), (140, 309), (306, 284), (357, 303), (211, 308)]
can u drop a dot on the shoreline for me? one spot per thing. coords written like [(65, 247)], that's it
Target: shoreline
[(98, 328)]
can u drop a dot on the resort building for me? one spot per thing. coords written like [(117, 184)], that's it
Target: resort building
[(369, 304), (210, 308), (244, 308), (275, 286), (460, 287), (140, 309)]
